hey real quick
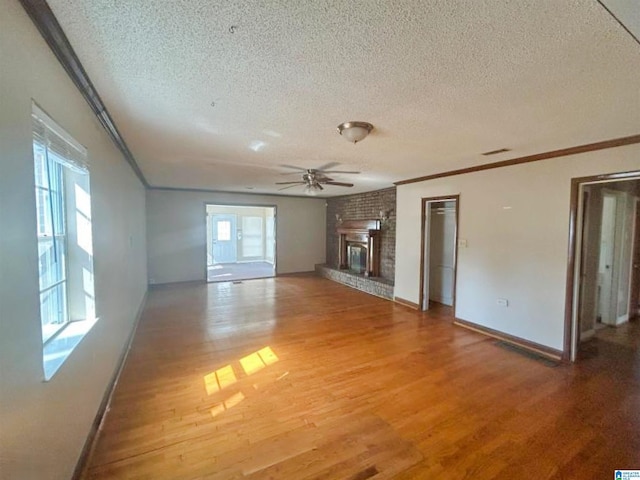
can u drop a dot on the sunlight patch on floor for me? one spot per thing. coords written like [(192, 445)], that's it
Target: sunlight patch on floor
[(224, 377)]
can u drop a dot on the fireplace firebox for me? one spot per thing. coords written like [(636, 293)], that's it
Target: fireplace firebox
[(359, 247), (357, 257)]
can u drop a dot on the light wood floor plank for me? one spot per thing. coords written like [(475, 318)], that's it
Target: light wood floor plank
[(301, 378)]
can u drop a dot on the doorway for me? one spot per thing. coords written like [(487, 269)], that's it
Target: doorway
[(241, 242), (438, 252), (605, 264)]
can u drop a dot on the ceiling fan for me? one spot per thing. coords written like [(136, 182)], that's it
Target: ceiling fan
[(314, 178)]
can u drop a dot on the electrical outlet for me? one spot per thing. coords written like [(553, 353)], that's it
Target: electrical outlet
[(462, 243), (502, 302)]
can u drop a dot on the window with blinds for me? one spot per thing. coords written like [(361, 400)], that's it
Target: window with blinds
[(64, 231), (252, 237)]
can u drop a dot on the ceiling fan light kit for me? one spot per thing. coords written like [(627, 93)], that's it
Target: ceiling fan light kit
[(312, 190), (354, 132)]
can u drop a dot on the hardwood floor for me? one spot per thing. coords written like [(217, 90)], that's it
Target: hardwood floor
[(627, 335), (302, 378), (229, 272)]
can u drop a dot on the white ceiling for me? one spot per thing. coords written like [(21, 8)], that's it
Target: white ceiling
[(442, 81)]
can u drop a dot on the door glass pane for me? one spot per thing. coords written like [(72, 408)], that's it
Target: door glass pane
[(224, 230)]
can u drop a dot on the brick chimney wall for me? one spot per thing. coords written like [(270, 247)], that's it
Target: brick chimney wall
[(365, 206)]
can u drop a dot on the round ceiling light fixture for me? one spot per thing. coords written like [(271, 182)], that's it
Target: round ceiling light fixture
[(354, 132)]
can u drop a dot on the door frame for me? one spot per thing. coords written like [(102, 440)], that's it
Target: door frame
[(634, 278), (574, 253), (237, 204), (424, 246), (585, 197)]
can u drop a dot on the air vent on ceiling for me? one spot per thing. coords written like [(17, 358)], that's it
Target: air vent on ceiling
[(494, 152)]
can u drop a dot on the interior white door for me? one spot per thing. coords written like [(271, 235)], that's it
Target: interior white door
[(624, 250), (606, 262), (425, 256), (442, 252)]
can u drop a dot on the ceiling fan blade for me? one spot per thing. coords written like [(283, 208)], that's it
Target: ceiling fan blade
[(284, 188), (339, 184), (289, 183), (339, 171), (327, 165), (319, 186), (294, 167)]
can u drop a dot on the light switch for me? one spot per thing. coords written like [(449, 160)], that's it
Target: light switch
[(462, 243)]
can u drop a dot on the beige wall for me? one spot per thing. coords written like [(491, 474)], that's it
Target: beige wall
[(177, 237), (516, 224), (43, 426)]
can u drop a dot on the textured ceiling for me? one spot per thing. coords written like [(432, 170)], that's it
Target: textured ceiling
[(217, 95)]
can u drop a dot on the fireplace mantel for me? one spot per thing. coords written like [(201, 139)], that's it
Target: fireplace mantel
[(365, 232)]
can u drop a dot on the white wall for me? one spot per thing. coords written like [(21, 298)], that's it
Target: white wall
[(519, 252), (43, 426), (177, 237)]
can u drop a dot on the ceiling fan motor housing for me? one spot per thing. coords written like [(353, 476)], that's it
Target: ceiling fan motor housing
[(313, 178)]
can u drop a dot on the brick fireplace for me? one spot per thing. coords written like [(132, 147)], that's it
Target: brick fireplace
[(363, 206), (347, 256)]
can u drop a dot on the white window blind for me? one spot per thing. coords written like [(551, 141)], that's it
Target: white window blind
[(67, 150), (252, 242)]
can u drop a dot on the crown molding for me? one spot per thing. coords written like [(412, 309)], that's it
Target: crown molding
[(45, 21), (590, 147)]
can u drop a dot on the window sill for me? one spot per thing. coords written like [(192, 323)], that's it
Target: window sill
[(58, 349)]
